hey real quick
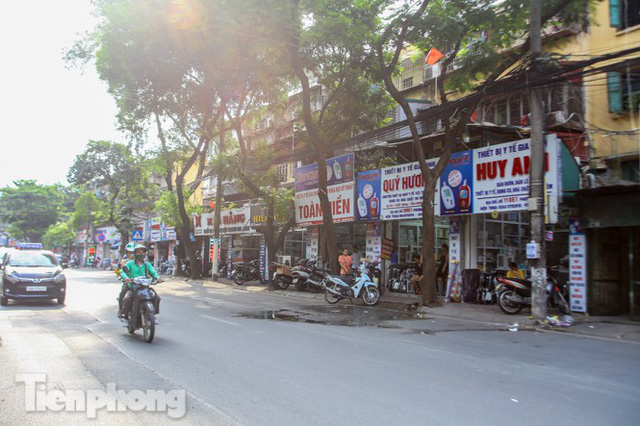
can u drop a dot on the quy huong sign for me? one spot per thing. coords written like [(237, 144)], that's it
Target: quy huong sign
[(483, 180), (340, 190)]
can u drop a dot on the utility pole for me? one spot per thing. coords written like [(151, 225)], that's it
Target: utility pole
[(216, 220), (536, 177)]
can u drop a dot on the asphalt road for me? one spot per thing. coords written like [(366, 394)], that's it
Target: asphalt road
[(245, 357)]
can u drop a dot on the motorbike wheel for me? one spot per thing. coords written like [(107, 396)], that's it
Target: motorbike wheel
[(281, 283), (370, 296), (331, 297), (238, 277), (148, 325), (300, 286), (562, 304), (509, 308)]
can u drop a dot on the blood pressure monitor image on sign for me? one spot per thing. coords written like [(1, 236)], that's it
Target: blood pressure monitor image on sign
[(447, 197)]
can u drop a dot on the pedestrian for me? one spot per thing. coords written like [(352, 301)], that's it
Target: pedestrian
[(442, 272), (514, 271), (416, 279), (346, 264), (356, 256)]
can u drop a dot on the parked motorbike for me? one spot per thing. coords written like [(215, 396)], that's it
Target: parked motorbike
[(143, 308), (513, 294), (185, 268), (222, 269), (361, 286), (282, 275), (73, 263), (308, 275), (247, 272)]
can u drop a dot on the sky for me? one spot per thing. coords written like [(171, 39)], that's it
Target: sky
[(48, 113)]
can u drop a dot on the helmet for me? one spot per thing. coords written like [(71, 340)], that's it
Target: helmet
[(140, 246), (130, 247)]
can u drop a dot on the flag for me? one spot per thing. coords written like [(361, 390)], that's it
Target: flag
[(433, 56)]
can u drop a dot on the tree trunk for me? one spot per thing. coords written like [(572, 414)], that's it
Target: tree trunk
[(428, 282)]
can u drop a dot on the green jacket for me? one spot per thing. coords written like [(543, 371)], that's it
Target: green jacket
[(132, 270)]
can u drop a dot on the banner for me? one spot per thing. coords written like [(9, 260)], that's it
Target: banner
[(374, 242), (312, 240), (340, 190), (402, 187), (577, 266)]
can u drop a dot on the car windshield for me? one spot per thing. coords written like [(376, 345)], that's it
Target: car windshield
[(32, 259)]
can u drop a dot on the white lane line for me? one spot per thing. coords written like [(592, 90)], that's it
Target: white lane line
[(221, 320)]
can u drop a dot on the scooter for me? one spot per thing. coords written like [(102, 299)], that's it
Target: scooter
[(513, 294), (282, 275), (247, 272), (144, 308), (338, 288)]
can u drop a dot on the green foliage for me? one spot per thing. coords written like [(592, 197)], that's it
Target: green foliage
[(119, 177), (88, 210), (29, 208), (59, 235), (167, 208)]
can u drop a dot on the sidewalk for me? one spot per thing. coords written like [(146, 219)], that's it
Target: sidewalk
[(614, 328)]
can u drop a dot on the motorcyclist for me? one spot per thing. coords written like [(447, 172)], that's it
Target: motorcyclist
[(137, 267), (128, 255)]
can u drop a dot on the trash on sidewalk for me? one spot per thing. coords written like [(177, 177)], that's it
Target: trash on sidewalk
[(514, 327), (566, 321)]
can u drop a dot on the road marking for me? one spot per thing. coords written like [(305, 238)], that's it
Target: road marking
[(221, 320)]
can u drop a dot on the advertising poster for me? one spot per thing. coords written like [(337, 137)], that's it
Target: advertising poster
[(368, 197), (203, 224), (312, 237), (456, 185), (387, 249), (373, 249), (339, 170), (577, 266)]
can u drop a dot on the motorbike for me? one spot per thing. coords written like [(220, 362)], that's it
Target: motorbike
[(309, 276), (185, 268), (247, 272), (282, 275), (143, 309), (73, 263), (361, 286), (513, 294), (222, 269)]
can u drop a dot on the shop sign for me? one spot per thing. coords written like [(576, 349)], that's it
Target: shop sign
[(577, 266), (236, 221), (155, 228), (368, 198), (402, 187), (203, 224), (339, 170), (484, 180), (259, 216), (340, 189), (171, 233), (309, 211)]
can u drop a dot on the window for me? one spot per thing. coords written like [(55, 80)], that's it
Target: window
[(283, 172), (407, 82), (624, 92), (624, 14)]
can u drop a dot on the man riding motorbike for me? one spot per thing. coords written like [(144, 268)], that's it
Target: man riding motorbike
[(137, 267)]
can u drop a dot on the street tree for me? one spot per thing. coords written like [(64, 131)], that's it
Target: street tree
[(59, 236), (29, 208), (329, 62), (458, 28), (111, 170)]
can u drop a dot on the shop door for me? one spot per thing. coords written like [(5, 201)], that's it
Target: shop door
[(608, 249)]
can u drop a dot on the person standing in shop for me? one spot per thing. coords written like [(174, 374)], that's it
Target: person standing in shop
[(346, 264), (356, 256)]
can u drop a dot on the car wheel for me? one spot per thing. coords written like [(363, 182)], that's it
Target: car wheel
[(60, 300), (4, 301)]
